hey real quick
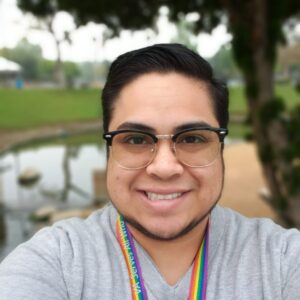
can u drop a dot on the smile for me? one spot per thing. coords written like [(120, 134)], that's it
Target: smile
[(158, 197)]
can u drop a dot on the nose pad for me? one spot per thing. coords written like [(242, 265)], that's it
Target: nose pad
[(174, 149), (165, 163), (165, 146)]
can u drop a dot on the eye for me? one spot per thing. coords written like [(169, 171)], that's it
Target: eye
[(192, 138), (137, 139)]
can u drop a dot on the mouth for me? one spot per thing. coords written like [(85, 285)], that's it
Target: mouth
[(159, 197)]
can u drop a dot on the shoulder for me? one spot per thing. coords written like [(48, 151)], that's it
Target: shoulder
[(83, 235), (60, 260), (99, 223), (261, 228), (258, 235), (68, 239), (255, 252)]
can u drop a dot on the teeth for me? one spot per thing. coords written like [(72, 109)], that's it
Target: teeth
[(157, 197)]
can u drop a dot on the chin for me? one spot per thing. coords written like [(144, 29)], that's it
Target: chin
[(167, 231), (158, 232)]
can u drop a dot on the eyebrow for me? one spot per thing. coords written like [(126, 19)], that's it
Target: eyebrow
[(192, 125), (143, 127), (136, 126)]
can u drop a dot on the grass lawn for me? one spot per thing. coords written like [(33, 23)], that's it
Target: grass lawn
[(31, 108), (238, 102)]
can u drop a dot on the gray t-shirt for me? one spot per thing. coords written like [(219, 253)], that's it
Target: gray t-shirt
[(81, 259)]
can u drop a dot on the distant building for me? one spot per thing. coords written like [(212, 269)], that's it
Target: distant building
[(10, 73)]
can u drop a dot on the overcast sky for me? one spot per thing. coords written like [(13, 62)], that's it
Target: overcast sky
[(87, 40)]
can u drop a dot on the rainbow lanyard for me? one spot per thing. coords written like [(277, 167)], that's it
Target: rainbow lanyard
[(138, 291)]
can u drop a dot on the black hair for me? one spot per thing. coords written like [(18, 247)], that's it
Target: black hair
[(162, 58)]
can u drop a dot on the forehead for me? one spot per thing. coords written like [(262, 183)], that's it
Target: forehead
[(163, 101)]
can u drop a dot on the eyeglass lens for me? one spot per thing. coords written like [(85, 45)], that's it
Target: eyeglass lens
[(195, 148)]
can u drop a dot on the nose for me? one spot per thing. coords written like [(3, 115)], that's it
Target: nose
[(165, 165)]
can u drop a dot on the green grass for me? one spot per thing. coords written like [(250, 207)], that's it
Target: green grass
[(31, 108), (238, 102), (289, 94), (20, 109), (239, 131), (238, 105)]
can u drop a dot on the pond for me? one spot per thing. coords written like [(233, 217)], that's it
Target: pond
[(68, 175)]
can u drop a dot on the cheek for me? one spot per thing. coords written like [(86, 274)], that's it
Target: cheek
[(210, 177), (112, 178), (118, 180)]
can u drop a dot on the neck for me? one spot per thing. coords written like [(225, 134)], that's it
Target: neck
[(172, 258)]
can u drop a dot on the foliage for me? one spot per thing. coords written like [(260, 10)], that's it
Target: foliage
[(46, 12), (47, 69), (271, 110), (27, 55), (185, 33), (71, 70), (90, 71), (141, 14), (292, 152), (224, 64), (34, 66), (39, 8)]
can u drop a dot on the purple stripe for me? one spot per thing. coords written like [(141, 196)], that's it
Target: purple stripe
[(137, 263)]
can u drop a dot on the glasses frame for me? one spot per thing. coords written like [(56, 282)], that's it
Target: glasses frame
[(108, 137)]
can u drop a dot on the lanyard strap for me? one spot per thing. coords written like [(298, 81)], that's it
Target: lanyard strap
[(199, 275), (125, 239)]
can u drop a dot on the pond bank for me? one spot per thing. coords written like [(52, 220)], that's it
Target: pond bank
[(11, 138)]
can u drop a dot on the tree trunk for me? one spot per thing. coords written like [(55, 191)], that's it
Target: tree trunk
[(269, 133), (59, 74)]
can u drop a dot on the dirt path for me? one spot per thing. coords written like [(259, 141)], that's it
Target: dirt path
[(244, 181)]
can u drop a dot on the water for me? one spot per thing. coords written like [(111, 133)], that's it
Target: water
[(67, 181)]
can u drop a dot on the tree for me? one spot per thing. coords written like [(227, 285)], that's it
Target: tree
[(27, 55), (256, 26), (48, 69), (185, 33), (224, 64), (46, 12), (34, 66)]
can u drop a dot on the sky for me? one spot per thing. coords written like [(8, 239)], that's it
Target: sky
[(87, 41)]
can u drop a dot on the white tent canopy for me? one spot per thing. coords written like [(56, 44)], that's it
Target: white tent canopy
[(9, 66)]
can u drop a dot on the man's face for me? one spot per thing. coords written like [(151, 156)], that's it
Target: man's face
[(164, 102)]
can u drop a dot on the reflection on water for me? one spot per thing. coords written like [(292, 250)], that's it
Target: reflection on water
[(67, 181)]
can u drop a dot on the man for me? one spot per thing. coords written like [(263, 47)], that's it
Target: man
[(163, 237)]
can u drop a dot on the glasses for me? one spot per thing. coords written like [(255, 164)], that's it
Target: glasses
[(196, 147)]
